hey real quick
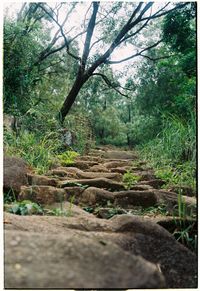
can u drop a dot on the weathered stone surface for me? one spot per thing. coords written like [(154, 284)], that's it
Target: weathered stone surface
[(98, 168), (170, 199), (89, 263), (41, 180), (56, 242), (127, 199), (69, 172), (120, 155), (69, 209), (42, 194), (15, 174), (155, 183), (121, 170), (117, 164), (98, 182), (90, 158), (141, 187), (57, 224), (90, 175), (73, 193), (177, 263), (135, 235), (84, 165), (92, 196)]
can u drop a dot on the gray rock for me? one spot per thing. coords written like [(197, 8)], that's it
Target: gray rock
[(73, 261)]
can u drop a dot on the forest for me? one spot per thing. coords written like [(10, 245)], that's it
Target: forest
[(103, 82)]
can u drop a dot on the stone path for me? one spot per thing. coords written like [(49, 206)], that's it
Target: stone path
[(111, 247)]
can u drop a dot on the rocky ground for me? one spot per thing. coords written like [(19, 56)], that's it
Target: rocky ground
[(113, 246)]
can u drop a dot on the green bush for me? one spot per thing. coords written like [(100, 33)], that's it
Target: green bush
[(67, 158), (129, 180)]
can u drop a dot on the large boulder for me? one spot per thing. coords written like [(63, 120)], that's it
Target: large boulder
[(54, 243), (15, 174), (30, 238), (73, 261)]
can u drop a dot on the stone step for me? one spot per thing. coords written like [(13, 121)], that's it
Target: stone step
[(98, 182)]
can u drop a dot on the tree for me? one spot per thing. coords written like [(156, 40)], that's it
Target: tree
[(139, 17), (27, 82)]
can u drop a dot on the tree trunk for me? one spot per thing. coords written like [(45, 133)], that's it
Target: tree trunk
[(71, 98)]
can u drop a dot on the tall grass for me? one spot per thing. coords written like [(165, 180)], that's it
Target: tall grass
[(36, 150), (173, 151)]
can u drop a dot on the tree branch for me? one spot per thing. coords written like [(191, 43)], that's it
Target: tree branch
[(48, 51), (156, 15), (135, 55), (109, 83), (89, 34), (156, 59)]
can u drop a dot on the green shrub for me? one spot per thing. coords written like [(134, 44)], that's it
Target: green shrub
[(67, 158), (129, 180)]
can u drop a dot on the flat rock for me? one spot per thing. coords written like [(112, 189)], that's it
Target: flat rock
[(121, 170), (34, 179), (121, 155), (42, 194), (90, 158), (90, 175), (69, 172), (84, 165), (98, 168), (117, 164), (92, 196), (129, 198), (89, 263), (15, 172), (98, 183)]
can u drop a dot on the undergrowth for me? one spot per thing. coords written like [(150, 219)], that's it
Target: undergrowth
[(173, 152)]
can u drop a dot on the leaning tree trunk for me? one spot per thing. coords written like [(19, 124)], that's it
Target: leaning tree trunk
[(71, 98)]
